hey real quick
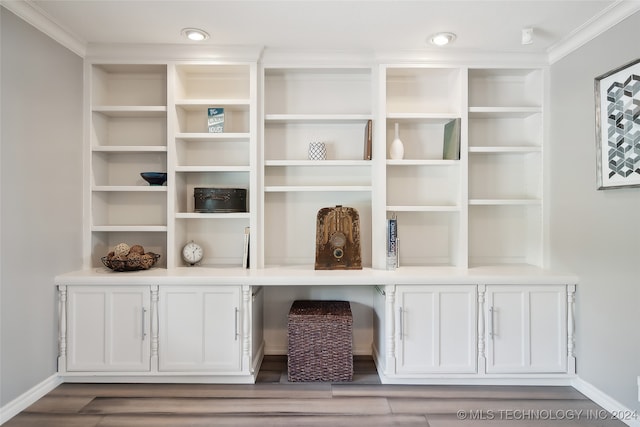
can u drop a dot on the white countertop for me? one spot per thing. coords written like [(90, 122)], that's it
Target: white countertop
[(307, 275)]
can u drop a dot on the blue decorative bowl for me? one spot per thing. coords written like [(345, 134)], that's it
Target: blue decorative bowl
[(154, 178)]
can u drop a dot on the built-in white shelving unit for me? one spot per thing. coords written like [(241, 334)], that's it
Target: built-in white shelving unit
[(200, 159), (127, 133), (483, 209), (505, 166), (471, 226), (304, 105), (425, 191), (153, 117)]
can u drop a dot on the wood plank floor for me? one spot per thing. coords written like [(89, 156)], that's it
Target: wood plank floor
[(273, 401)]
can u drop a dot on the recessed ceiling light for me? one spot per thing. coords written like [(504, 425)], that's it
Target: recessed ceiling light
[(195, 34), (441, 39)]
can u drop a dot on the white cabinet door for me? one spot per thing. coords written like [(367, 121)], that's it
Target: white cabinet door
[(526, 329), (436, 329), (107, 328), (200, 328)]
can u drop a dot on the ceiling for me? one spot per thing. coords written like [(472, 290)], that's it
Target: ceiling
[(366, 25)]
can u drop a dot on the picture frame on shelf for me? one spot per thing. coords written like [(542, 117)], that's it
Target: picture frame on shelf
[(617, 94), (368, 140), (215, 119), (451, 143)]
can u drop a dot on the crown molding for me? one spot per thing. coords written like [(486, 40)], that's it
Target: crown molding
[(608, 18), (172, 52), (35, 16), (463, 57), (275, 57), (284, 57)]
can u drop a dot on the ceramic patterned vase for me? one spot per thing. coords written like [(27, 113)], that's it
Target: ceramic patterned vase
[(317, 151)]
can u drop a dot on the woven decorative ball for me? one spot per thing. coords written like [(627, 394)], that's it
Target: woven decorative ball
[(118, 262), (121, 250), (147, 260), (136, 249), (134, 260)]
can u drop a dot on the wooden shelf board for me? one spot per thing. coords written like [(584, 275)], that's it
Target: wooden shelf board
[(205, 136), (436, 118), (213, 168), (502, 112), (315, 188), (129, 149), (504, 202), (199, 104), (506, 149), (131, 188), (213, 215), (423, 208), (318, 118), (131, 110), (320, 163), (130, 228), (422, 162)]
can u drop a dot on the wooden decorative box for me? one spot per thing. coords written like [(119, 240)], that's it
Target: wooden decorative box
[(220, 200)]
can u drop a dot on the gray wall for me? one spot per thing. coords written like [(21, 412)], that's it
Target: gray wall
[(41, 188), (596, 233)]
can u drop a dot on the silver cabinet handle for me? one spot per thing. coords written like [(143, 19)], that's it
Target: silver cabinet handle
[(236, 323), (491, 311), (144, 326)]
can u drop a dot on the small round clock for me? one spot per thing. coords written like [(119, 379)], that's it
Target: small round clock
[(192, 253)]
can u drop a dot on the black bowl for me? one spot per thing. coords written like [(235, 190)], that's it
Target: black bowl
[(154, 178)]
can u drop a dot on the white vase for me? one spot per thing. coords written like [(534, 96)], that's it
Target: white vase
[(396, 151)]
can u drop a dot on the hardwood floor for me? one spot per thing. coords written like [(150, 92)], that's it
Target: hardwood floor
[(273, 401)]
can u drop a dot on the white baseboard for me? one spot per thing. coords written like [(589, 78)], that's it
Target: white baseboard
[(29, 397), (26, 399), (626, 415)]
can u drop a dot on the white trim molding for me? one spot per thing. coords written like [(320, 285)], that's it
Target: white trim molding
[(28, 398), (609, 17), (34, 15), (611, 405)]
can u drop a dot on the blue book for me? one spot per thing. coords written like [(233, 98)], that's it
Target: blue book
[(392, 243)]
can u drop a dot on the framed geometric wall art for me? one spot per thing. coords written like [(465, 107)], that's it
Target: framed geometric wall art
[(617, 95)]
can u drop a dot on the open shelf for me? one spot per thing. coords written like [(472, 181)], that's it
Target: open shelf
[(428, 237), (416, 92), (133, 86), (519, 228), (496, 184)]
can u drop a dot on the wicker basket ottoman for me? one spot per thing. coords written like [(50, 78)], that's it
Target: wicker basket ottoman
[(320, 341)]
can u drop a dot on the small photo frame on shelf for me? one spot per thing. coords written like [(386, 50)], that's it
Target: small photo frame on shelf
[(215, 119), (617, 97), (451, 143), (368, 140)]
